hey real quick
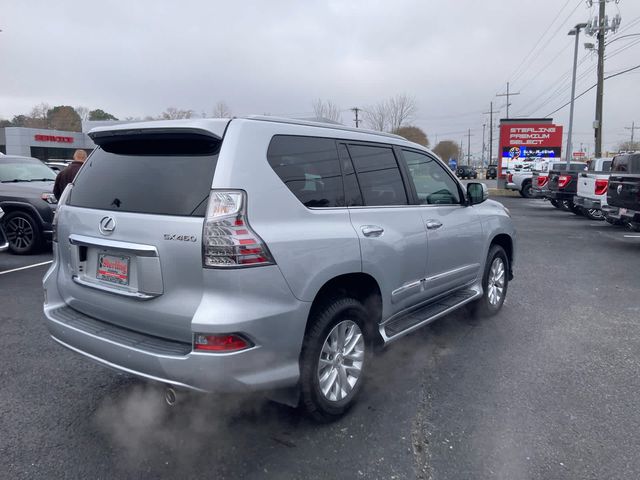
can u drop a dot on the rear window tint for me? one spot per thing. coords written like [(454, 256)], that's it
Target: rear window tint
[(130, 179), (626, 164), (310, 169), (378, 174)]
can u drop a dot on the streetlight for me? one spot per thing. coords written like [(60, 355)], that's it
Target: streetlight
[(576, 32)]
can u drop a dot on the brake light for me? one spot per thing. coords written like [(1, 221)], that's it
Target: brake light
[(510, 178), (220, 343), (62, 201), (227, 238), (563, 180), (602, 185), (542, 180)]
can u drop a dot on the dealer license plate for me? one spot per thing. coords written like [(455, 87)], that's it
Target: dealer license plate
[(113, 269)]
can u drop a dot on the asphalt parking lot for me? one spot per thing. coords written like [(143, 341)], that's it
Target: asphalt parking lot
[(548, 388)]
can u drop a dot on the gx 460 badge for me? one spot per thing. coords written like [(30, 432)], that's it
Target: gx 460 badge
[(180, 238)]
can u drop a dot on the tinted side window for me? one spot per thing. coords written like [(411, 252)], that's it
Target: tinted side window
[(352, 193), (620, 164), (433, 185), (309, 167), (378, 175), (606, 166)]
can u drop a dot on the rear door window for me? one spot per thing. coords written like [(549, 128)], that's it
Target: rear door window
[(158, 174), (378, 175), (309, 167)]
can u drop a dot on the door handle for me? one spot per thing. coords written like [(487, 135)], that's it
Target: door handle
[(432, 224), (372, 230)]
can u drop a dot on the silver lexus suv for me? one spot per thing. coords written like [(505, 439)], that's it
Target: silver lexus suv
[(265, 254)]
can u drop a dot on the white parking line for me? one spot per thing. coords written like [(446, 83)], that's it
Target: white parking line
[(28, 266), (632, 236)]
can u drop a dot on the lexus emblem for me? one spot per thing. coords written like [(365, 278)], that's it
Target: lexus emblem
[(619, 189), (107, 225)]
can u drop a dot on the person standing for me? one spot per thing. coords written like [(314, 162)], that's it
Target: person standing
[(67, 175)]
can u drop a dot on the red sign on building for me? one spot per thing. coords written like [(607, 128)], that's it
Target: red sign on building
[(52, 138), (527, 142)]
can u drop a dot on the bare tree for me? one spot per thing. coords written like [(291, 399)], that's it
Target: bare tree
[(221, 110), (389, 115), (401, 109), (629, 146), (173, 113), (83, 113), (327, 109), (377, 117), (38, 117)]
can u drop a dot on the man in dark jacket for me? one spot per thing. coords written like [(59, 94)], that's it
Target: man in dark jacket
[(67, 175)]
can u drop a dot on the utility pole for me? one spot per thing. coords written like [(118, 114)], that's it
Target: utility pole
[(469, 148), (356, 110), (461, 152), (599, 27), (575, 31), (632, 128), (490, 112), (600, 88), (508, 94), (483, 144)]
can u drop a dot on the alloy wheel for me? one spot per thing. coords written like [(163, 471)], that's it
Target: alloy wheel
[(341, 361), (20, 233), (496, 281)]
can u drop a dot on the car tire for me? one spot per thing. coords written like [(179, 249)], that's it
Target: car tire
[(555, 204), (593, 214), (495, 282), (335, 353), (23, 233), (576, 209), (565, 205), (527, 190), (613, 221)]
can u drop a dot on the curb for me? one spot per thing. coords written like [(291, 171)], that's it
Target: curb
[(503, 192)]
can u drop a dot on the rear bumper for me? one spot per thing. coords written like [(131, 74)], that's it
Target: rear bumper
[(511, 186), (587, 203), (556, 195), (273, 361), (539, 192)]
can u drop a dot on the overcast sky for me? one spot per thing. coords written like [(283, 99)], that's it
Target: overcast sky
[(134, 59)]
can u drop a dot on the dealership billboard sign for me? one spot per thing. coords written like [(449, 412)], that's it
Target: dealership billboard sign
[(522, 142)]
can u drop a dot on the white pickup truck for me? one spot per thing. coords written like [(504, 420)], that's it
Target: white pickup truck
[(520, 180), (592, 188)]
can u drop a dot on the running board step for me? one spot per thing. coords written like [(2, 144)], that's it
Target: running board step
[(428, 313)]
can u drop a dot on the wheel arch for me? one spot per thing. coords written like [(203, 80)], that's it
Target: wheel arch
[(506, 242), (359, 285)]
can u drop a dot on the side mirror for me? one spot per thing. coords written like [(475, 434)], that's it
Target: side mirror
[(477, 192)]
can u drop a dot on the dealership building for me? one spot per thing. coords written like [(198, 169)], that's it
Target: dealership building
[(42, 143)]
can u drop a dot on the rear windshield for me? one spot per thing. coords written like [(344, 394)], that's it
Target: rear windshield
[(626, 164), (126, 179)]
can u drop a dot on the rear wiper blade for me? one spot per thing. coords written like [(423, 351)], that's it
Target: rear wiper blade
[(15, 180), (41, 180)]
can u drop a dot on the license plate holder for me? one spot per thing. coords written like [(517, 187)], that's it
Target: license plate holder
[(113, 269)]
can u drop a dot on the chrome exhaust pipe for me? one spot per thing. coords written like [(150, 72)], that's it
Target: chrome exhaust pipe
[(170, 396)]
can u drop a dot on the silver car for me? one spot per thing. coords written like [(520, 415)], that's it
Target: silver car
[(265, 254)]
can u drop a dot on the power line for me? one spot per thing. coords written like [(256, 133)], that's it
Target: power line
[(536, 44), (594, 86), (560, 26)]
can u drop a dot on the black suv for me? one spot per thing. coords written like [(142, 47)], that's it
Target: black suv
[(465, 171), (492, 172), (26, 196)]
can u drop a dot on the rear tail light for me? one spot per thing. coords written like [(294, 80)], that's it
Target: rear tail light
[(62, 201), (542, 180), (510, 178), (227, 238), (563, 180), (602, 186), (220, 343)]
